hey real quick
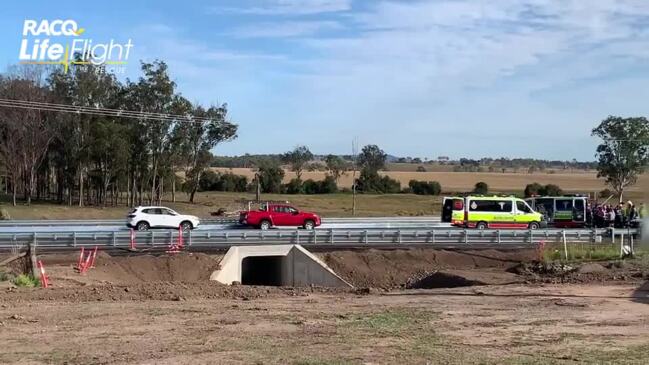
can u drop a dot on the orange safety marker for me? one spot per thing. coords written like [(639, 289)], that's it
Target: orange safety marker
[(45, 282), (86, 262), (81, 255), (94, 257)]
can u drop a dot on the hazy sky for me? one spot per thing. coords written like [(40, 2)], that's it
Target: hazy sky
[(516, 78)]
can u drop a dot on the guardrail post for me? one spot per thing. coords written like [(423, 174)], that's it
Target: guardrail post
[(531, 236), (152, 238), (366, 240), (315, 237), (498, 235), (74, 239), (189, 243), (34, 239), (433, 236), (297, 237), (114, 239), (331, 236), (466, 236)]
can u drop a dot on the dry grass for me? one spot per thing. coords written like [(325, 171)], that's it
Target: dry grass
[(331, 205), (583, 182), (340, 205)]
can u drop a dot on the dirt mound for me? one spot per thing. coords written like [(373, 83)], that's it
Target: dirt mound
[(146, 291), (442, 279), (393, 269), (135, 269), (468, 277), (581, 273)]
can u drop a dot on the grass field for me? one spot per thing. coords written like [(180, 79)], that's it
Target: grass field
[(331, 205), (340, 205), (583, 182)]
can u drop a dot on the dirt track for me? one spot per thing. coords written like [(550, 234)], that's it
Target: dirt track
[(147, 310)]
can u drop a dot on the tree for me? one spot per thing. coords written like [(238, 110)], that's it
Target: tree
[(206, 128), (624, 152), (533, 189), (26, 134), (481, 188), (425, 187), (551, 190), (270, 178), (336, 165), (297, 159), (372, 158), (155, 92)]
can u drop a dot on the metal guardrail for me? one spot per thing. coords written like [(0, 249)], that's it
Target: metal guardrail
[(218, 239)]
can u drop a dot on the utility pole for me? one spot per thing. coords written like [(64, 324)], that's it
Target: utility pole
[(258, 190), (354, 153)]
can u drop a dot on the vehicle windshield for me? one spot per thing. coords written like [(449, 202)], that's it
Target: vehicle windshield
[(523, 207)]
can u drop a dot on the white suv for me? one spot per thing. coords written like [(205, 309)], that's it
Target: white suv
[(143, 218)]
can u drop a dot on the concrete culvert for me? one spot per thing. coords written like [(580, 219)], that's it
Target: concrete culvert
[(275, 265), (262, 270)]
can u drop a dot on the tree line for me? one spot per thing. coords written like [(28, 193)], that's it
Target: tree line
[(156, 142), (97, 158)]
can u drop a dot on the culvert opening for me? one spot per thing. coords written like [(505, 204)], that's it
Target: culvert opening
[(275, 265), (262, 270)]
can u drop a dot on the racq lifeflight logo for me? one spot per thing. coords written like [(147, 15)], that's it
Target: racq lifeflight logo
[(62, 42)]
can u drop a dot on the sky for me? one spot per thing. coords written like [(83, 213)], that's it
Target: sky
[(458, 78)]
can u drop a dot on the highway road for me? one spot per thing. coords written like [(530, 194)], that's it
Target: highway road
[(89, 226)]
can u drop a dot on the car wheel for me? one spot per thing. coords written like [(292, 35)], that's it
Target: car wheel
[(264, 225), (186, 226), (534, 225), (142, 226), (481, 225), (309, 224)]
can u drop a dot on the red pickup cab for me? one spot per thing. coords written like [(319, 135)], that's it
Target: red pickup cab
[(278, 215)]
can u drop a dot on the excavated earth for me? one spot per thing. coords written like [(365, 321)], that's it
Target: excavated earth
[(129, 276), (414, 306)]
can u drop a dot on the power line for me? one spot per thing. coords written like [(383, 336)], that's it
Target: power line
[(119, 113)]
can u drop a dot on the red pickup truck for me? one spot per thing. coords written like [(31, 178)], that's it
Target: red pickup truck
[(278, 215)]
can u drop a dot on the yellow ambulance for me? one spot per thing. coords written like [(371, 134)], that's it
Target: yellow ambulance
[(482, 212)]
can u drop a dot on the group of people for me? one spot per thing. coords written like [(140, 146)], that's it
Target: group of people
[(620, 216)]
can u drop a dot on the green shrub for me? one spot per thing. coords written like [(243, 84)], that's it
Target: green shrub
[(481, 188), (425, 187), (293, 187), (533, 189), (552, 190), (26, 281), (372, 182), (212, 181), (328, 185), (4, 215), (538, 189), (5, 276)]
